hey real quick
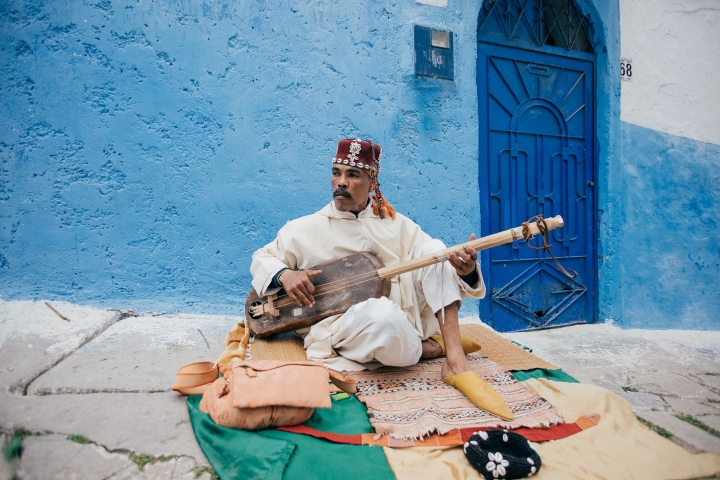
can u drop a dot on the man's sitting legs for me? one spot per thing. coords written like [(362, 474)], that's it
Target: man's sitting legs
[(437, 289), (377, 329)]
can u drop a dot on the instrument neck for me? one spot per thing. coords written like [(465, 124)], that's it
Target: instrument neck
[(483, 243)]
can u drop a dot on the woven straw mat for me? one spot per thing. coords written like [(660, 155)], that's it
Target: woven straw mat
[(503, 351), (286, 347), (289, 346)]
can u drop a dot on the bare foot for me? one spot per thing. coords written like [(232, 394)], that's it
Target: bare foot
[(455, 361), (454, 367), (430, 349)]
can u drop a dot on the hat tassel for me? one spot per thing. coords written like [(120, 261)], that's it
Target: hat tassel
[(381, 207)]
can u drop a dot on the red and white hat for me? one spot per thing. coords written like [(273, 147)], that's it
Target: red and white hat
[(359, 153)]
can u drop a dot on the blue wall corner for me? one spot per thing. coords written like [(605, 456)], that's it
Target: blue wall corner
[(605, 32), (668, 248)]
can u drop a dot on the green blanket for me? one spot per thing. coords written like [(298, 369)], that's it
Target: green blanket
[(271, 454), (554, 375)]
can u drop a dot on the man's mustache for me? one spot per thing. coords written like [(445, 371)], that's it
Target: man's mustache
[(341, 192)]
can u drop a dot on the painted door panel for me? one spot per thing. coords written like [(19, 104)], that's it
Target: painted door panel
[(536, 157)]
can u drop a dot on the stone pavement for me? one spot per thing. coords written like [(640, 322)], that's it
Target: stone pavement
[(91, 395), (670, 377), (89, 398)]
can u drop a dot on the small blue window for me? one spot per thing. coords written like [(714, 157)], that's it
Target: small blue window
[(433, 53)]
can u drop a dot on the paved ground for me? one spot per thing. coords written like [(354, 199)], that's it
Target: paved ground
[(89, 397), (670, 377)]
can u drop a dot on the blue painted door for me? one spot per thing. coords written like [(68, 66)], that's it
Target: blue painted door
[(536, 157)]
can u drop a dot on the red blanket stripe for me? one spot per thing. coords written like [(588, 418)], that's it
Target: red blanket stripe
[(329, 436), (555, 432)]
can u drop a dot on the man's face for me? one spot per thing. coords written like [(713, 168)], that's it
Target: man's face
[(350, 188)]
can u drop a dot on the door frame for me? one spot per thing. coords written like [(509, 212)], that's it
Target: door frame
[(485, 306)]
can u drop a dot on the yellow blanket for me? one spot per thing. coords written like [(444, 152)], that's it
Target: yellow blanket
[(619, 447)]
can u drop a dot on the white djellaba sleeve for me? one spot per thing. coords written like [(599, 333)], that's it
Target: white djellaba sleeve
[(267, 262), (468, 291)]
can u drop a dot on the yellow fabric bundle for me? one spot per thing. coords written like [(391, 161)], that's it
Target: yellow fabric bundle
[(619, 447)]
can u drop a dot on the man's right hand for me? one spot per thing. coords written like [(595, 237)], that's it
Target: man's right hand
[(298, 286)]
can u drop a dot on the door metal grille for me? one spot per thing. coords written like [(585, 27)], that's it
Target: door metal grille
[(544, 22), (537, 155)]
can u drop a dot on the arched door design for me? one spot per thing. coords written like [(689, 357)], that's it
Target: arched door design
[(536, 109)]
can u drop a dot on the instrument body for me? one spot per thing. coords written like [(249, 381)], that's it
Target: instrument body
[(356, 278), (334, 296)]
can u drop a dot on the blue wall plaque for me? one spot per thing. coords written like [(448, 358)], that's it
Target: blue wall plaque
[(433, 53)]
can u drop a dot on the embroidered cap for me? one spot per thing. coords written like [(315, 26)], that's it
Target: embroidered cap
[(502, 454), (366, 155), (359, 153)]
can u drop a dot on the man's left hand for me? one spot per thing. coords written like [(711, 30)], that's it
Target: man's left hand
[(463, 259)]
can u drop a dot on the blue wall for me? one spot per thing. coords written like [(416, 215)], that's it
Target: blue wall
[(148, 148), (669, 246)]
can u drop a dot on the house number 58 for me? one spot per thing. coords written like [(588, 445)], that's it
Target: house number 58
[(626, 70)]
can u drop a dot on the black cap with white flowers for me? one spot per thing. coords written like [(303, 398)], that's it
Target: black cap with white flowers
[(502, 454)]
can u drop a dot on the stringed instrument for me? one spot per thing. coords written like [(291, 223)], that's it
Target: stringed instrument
[(356, 278)]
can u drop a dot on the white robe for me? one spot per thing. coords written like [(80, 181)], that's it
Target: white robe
[(329, 235)]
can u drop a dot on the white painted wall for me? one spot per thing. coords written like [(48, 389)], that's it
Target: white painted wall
[(675, 51)]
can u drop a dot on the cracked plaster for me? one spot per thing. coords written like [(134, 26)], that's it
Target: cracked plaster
[(146, 180)]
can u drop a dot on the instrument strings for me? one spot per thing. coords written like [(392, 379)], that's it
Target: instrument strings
[(325, 288), (283, 301)]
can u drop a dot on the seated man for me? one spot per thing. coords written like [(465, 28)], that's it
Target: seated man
[(394, 331)]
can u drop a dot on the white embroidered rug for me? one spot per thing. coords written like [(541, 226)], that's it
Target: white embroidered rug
[(410, 402)]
